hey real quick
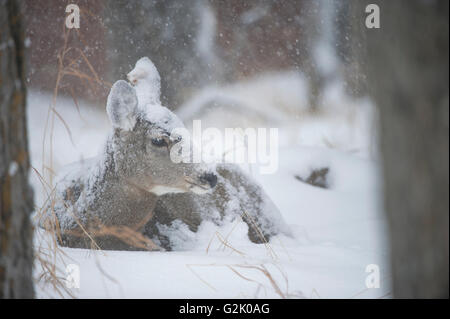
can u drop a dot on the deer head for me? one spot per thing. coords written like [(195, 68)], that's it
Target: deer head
[(142, 142)]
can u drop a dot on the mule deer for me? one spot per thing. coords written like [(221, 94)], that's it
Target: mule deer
[(120, 187), (134, 187)]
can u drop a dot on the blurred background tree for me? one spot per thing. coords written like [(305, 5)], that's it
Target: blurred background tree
[(406, 62), (193, 43)]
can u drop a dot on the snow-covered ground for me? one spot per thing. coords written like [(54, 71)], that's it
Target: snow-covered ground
[(337, 232)]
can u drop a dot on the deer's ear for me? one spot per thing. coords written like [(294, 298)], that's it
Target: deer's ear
[(122, 105)]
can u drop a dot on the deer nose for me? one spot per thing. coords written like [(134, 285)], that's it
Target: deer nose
[(209, 178)]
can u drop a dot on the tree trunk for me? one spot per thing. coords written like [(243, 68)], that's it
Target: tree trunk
[(16, 200), (407, 69)]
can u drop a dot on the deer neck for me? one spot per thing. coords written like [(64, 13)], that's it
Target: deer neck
[(125, 202)]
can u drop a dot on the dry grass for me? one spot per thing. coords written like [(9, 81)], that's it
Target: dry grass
[(282, 290), (47, 252), (260, 268)]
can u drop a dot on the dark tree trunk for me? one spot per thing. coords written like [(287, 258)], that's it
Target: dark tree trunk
[(407, 69), (16, 254)]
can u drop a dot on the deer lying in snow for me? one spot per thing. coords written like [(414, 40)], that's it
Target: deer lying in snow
[(134, 187)]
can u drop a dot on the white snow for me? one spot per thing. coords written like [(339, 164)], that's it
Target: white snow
[(271, 98), (337, 232)]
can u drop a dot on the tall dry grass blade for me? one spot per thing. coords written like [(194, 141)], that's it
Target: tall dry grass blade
[(269, 249), (189, 266)]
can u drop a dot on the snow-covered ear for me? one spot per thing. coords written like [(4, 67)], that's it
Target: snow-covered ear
[(145, 77), (144, 70), (122, 105)]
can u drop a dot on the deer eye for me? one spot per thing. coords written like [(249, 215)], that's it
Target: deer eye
[(159, 142), (177, 139)]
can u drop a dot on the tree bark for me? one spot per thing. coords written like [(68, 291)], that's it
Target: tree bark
[(407, 70), (16, 197)]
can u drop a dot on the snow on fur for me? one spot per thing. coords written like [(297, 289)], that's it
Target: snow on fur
[(147, 81)]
